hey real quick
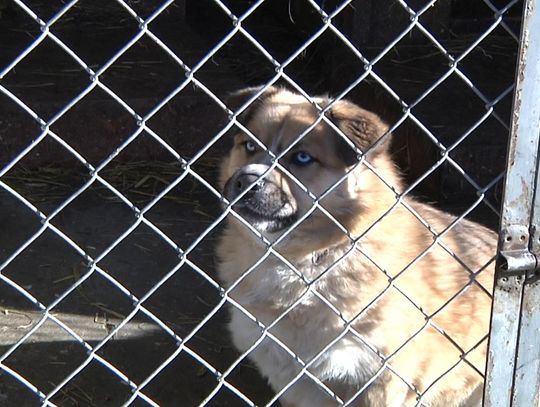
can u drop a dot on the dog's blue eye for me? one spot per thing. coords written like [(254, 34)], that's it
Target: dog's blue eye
[(302, 158), (250, 146)]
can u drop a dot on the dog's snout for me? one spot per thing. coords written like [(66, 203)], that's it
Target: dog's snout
[(249, 176)]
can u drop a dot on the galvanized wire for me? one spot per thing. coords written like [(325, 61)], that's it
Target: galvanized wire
[(142, 122)]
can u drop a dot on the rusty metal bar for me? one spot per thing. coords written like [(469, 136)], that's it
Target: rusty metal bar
[(513, 362), (527, 375)]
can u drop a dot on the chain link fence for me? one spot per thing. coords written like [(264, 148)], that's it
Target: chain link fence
[(109, 295)]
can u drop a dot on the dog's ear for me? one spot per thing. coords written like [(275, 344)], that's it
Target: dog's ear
[(362, 127), (237, 99)]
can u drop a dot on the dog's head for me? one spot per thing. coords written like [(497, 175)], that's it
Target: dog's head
[(315, 166)]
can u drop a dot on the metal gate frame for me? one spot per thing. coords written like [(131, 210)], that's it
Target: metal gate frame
[(513, 367)]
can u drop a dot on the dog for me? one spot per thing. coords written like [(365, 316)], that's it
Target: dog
[(345, 291)]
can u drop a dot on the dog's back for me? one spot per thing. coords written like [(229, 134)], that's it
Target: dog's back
[(435, 319)]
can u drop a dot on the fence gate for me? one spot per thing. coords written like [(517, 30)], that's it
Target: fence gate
[(513, 376)]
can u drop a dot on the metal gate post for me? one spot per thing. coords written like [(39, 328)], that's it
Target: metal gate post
[(513, 367)]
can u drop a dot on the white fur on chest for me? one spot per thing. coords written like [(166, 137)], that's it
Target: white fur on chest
[(307, 327)]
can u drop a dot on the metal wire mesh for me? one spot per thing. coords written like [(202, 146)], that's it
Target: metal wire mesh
[(138, 388)]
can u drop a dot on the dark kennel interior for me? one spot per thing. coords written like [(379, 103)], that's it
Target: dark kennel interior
[(478, 37)]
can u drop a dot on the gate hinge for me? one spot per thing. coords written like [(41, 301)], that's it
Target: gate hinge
[(515, 256), (518, 261)]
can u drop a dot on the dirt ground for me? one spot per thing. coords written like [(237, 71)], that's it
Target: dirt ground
[(48, 268)]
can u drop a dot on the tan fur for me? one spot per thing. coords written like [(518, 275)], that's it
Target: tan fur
[(392, 242)]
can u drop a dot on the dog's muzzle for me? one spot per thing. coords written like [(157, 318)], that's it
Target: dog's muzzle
[(265, 205)]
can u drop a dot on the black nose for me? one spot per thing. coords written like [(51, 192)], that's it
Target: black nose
[(243, 181), (244, 178)]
